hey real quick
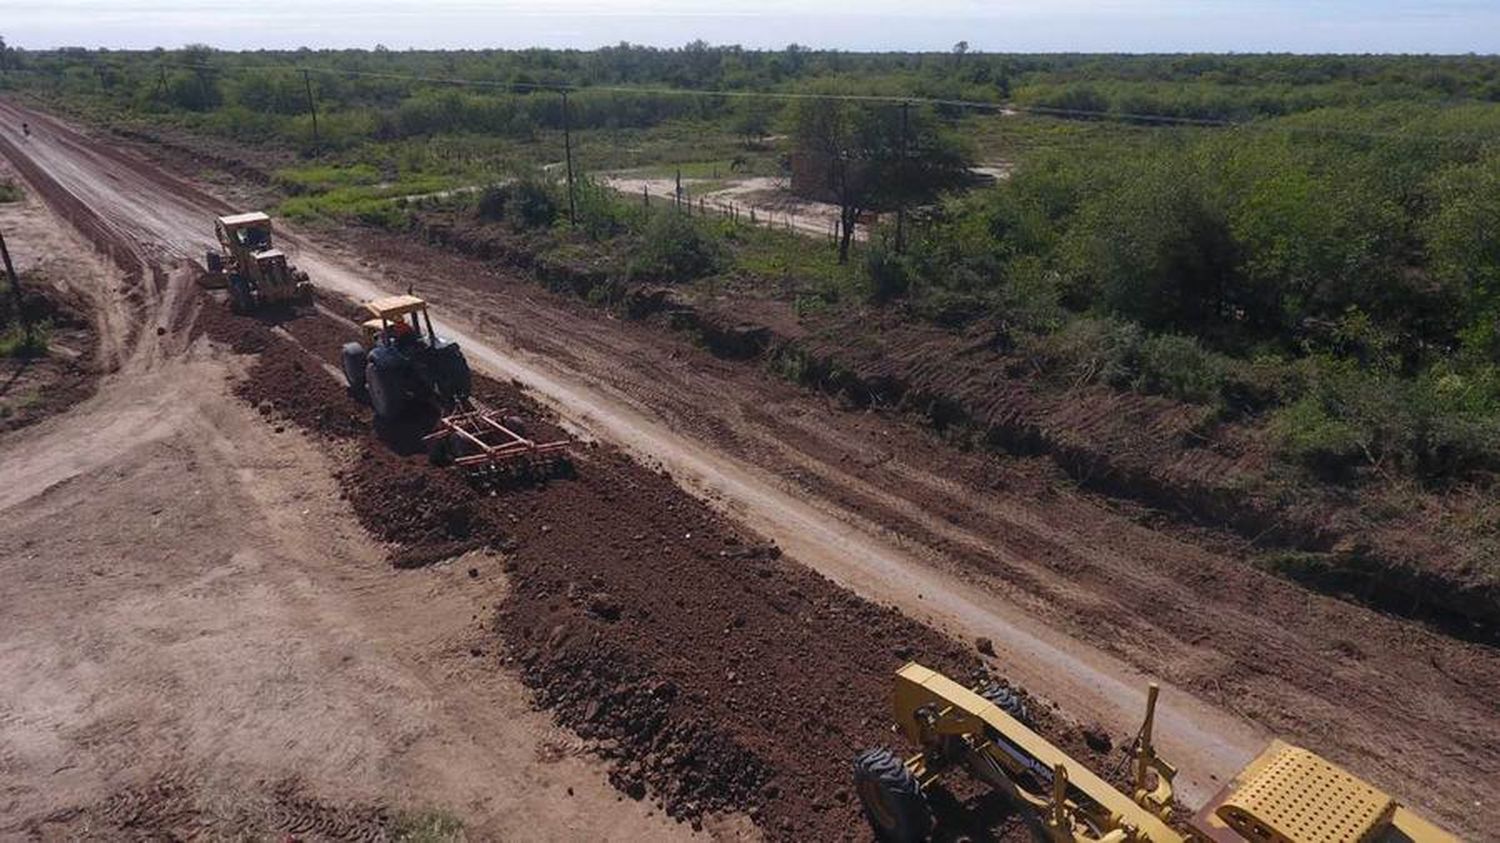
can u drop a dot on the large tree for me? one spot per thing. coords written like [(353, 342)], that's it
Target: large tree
[(873, 157)]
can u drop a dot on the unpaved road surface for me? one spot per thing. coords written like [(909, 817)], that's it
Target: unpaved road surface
[(1077, 598), (198, 638)]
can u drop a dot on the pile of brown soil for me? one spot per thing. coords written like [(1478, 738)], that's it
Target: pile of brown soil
[(714, 673)]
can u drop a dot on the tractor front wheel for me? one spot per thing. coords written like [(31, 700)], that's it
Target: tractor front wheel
[(214, 261), (891, 797), (354, 367)]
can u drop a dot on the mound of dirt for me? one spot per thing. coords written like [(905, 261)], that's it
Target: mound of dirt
[(714, 673)]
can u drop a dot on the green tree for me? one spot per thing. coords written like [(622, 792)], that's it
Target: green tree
[(1462, 238), (1156, 246), (873, 157)]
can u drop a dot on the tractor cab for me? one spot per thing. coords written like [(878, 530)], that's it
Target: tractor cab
[(398, 320)]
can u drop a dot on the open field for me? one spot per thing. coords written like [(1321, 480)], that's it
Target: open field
[(1081, 599)]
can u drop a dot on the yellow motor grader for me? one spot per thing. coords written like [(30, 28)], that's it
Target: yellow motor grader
[(1286, 795), (249, 264)]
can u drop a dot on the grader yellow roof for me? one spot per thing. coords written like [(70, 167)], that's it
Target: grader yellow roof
[(237, 220)]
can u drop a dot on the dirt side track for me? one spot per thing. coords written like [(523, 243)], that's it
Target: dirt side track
[(1413, 710)]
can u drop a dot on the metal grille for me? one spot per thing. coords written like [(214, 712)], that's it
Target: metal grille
[(1300, 798)]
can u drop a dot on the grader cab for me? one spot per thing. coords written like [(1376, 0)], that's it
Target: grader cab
[(1286, 795), (249, 264)]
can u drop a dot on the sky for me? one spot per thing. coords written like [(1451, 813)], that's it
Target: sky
[(1301, 26)]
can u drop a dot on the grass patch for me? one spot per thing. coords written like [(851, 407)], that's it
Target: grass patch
[(809, 262), (15, 343), (325, 178), (10, 191), (428, 826), (378, 204)]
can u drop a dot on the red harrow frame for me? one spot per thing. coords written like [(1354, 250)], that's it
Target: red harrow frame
[(479, 440)]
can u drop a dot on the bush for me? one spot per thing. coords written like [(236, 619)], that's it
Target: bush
[(1442, 424), (888, 274), (1088, 350), (600, 213), (9, 191), (526, 202), (15, 343), (1317, 435), (675, 248), (1179, 367)]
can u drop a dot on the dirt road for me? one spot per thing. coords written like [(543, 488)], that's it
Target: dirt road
[(198, 636), (1076, 597)]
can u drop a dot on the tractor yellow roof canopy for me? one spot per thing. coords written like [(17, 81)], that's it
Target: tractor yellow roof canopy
[(394, 307)]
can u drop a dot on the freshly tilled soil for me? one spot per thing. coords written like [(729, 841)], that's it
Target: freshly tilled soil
[(716, 674)]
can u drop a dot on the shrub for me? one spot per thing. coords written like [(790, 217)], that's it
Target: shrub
[(599, 212), (675, 248), (1088, 350), (9, 191), (1441, 424), (1312, 433), (1179, 367), (526, 202), (15, 343), (887, 273)]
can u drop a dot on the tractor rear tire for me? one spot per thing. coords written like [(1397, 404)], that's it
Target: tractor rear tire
[(1008, 701), (385, 397), (892, 798), (354, 367)]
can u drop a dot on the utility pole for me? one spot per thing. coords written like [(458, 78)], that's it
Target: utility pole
[(15, 288), (903, 185), (568, 157), (312, 109)]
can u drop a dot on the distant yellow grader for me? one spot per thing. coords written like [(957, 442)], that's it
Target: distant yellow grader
[(249, 264), (1286, 795)]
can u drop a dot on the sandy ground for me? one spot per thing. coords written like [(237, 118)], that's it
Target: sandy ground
[(198, 636), (773, 204), (1080, 602)]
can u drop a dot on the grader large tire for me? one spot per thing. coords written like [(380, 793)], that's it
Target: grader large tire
[(241, 299), (353, 355), (891, 797), (1008, 701)]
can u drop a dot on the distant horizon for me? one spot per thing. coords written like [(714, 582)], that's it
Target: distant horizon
[(773, 49), (1139, 27)]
